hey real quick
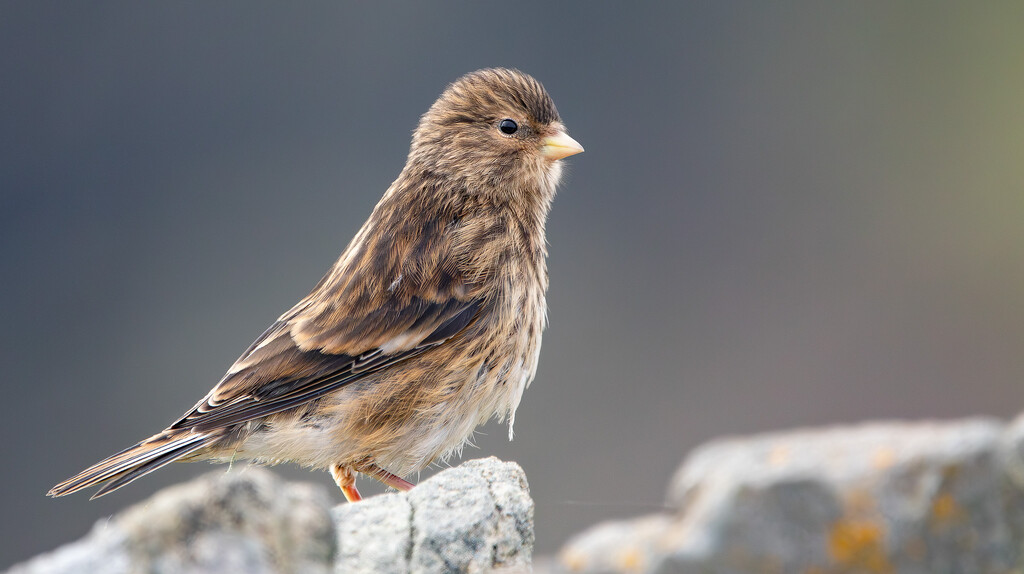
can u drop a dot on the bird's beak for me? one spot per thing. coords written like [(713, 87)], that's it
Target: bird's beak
[(560, 145)]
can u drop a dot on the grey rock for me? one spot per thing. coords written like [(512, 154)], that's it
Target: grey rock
[(477, 517), (1013, 451), (619, 546), (247, 521), (103, 550), (898, 498), (374, 534)]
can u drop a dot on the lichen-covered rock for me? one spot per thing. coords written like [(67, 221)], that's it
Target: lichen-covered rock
[(619, 546), (895, 498), (246, 521), (477, 517)]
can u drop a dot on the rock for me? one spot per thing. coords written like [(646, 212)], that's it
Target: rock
[(477, 517), (890, 498), (248, 521), (885, 497), (620, 546), (1013, 451)]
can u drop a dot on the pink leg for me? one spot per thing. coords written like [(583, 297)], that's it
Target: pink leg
[(392, 480)]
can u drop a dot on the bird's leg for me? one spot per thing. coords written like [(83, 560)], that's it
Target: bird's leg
[(369, 468), (345, 478)]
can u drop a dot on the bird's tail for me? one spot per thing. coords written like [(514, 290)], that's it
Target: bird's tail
[(120, 469)]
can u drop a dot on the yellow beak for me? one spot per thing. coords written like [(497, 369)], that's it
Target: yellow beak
[(560, 145)]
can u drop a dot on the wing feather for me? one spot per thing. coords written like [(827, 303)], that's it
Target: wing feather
[(285, 376)]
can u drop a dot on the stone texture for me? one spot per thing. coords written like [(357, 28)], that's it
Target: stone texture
[(620, 546), (477, 517), (889, 498), (903, 498), (246, 521)]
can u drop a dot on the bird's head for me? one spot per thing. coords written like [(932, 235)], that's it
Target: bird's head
[(494, 129)]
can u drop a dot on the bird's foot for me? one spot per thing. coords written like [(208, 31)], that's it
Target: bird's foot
[(345, 478)]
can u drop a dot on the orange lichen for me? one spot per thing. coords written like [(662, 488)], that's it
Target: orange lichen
[(859, 544), (946, 509)]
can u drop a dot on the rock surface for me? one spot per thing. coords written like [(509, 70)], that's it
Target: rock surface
[(893, 498), (887, 498), (247, 521), (477, 517)]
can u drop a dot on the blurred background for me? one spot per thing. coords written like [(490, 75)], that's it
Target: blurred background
[(788, 214)]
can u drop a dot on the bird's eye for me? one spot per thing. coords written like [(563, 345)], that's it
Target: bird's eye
[(508, 127)]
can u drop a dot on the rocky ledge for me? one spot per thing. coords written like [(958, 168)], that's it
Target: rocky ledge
[(888, 498), (477, 517)]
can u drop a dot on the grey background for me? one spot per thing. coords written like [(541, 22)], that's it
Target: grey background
[(787, 214)]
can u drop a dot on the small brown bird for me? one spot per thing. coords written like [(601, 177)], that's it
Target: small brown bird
[(428, 325)]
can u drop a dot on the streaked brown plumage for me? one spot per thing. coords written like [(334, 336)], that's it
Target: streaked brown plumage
[(427, 326)]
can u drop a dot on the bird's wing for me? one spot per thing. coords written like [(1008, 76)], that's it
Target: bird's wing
[(328, 341)]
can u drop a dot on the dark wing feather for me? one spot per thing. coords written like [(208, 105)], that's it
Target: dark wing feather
[(275, 374)]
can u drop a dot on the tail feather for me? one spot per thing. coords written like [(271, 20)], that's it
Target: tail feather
[(133, 462)]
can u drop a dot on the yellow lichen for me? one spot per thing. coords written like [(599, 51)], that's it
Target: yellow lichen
[(631, 560), (945, 508), (859, 544), (574, 561)]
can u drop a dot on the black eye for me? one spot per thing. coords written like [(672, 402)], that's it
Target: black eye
[(508, 127)]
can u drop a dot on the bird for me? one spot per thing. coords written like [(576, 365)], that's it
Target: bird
[(428, 325)]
